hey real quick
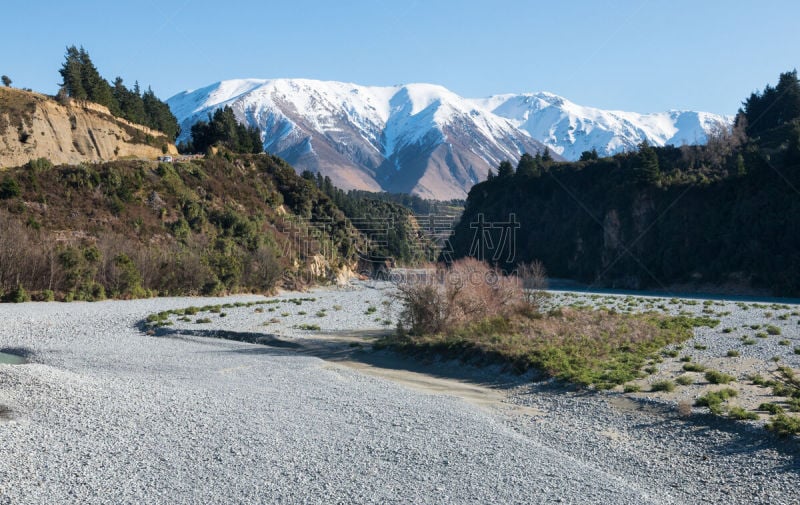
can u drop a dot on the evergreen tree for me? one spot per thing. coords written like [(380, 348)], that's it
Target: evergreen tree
[(71, 74), (506, 169), (528, 166), (6, 81), (223, 129), (646, 169), (546, 157)]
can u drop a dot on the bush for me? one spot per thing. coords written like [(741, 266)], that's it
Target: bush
[(684, 380), (632, 388), (784, 425), (468, 292), (773, 330), (694, 367), (9, 188), (772, 408), (733, 353), (717, 377), (664, 385), (713, 400), (741, 414), (17, 295)]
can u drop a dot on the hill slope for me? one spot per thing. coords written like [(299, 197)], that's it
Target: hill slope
[(36, 126)]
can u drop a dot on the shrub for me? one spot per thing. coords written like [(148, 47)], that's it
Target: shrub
[(732, 353), (632, 388), (308, 327), (717, 377), (694, 367), (741, 414), (203, 320), (772, 408), (467, 292), (9, 188), (713, 399), (664, 385), (784, 425), (784, 342), (533, 277), (684, 380), (17, 295), (773, 330)]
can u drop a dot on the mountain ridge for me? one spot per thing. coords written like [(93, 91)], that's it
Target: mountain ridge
[(423, 138)]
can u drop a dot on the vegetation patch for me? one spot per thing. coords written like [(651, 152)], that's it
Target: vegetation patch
[(490, 323)]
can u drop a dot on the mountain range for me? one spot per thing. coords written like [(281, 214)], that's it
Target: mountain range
[(424, 139)]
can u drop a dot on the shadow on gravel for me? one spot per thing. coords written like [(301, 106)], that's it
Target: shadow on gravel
[(247, 337), (742, 438)]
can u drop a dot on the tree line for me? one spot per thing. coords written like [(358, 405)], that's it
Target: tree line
[(724, 212), (81, 80)]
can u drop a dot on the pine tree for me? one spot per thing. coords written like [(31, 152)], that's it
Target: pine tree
[(646, 169), (528, 166), (506, 169), (70, 71)]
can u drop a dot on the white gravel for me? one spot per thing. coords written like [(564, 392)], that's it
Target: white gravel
[(106, 414)]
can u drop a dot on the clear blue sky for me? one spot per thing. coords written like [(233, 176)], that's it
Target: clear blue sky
[(634, 55)]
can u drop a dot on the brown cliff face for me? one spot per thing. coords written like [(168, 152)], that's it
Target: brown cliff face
[(36, 126)]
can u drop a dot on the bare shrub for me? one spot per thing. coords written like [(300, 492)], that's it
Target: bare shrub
[(533, 277), (27, 257), (684, 408), (467, 292)]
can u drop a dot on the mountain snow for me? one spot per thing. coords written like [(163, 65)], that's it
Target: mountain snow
[(423, 138), (569, 129), (396, 138)]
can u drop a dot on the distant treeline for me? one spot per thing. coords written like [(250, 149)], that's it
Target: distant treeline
[(82, 81), (726, 212), (223, 130)]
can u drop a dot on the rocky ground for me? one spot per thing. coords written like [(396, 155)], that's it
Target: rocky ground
[(195, 413)]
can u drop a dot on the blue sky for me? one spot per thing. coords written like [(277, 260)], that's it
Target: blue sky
[(636, 55)]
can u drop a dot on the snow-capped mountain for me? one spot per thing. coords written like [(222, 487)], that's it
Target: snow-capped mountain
[(416, 138), (569, 129)]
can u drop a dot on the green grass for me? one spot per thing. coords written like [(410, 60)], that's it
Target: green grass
[(587, 347)]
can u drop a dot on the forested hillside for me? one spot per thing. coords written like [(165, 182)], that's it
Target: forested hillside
[(134, 228), (728, 212)]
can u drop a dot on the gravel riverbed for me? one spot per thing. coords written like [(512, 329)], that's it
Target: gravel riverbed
[(104, 413)]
